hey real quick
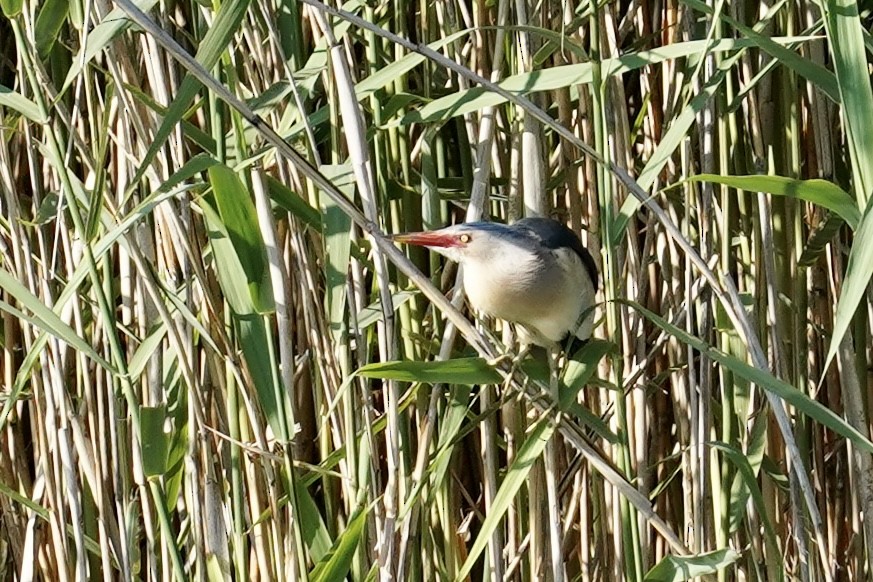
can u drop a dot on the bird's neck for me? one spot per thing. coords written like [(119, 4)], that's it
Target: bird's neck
[(496, 282)]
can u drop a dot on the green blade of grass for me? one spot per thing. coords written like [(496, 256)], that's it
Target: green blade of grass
[(676, 134), (231, 275), (846, 42), (51, 17), (680, 568), (858, 272), (104, 33), (337, 231), (528, 453), (11, 8), (312, 526), (845, 34), (580, 369), (820, 238), (763, 378), (239, 219), (813, 72), (564, 76), (255, 340), (373, 312), (155, 440), (214, 42), (289, 200), (749, 479), (825, 194), (44, 318), (18, 102), (468, 371), (336, 563), (457, 409)]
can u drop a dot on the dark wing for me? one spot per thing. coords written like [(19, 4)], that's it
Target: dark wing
[(555, 235)]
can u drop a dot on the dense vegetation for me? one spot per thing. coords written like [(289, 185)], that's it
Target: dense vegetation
[(216, 365)]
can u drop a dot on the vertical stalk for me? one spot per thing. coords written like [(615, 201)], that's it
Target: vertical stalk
[(106, 314), (627, 529)]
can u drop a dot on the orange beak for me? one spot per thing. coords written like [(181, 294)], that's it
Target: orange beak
[(432, 238)]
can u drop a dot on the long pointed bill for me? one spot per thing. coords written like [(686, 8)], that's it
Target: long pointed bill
[(432, 238)]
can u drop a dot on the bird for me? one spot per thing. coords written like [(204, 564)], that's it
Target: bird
[(534, 273)]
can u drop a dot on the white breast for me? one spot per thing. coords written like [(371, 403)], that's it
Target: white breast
[(545, 293)]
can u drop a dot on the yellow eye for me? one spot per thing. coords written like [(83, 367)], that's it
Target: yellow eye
[(465, 238)]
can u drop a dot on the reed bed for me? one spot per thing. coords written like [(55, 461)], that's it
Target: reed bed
[(216, 366)]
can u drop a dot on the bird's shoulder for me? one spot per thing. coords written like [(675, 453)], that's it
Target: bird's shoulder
[(555, 235)]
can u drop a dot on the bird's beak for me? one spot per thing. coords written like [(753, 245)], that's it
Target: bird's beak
[(432, 238)]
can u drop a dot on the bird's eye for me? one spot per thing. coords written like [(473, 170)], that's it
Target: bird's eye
[(465, 238)]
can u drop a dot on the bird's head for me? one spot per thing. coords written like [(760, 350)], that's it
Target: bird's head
[(460, 243)]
